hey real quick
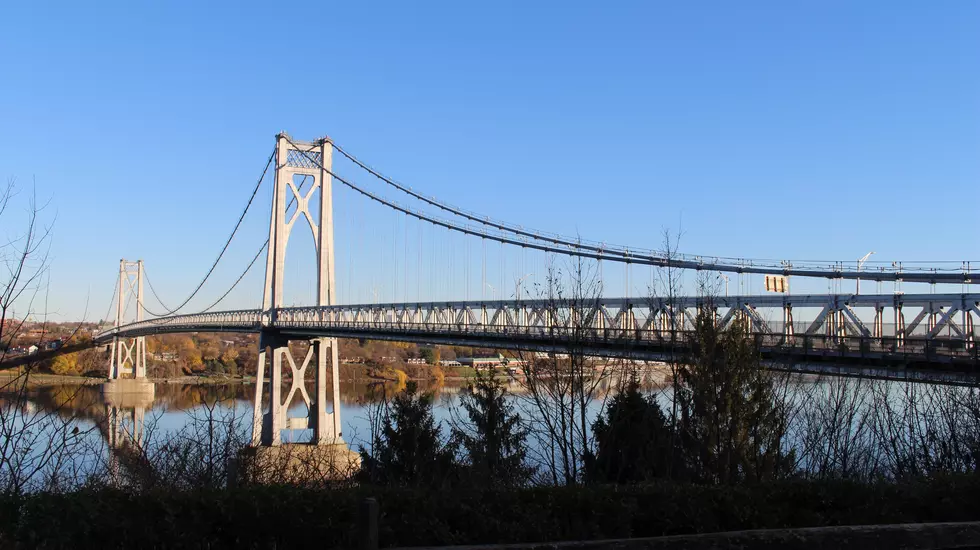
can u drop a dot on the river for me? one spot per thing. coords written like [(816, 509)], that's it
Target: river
[(85, 414)]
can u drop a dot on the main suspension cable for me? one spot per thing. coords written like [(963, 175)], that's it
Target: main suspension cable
[(240, 277), (146, 277), (255, 258), (603, 249), (115, 290), (646, 258), (224, 248), (554, 238)]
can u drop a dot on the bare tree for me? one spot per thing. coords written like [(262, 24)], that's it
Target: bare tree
[(24, 256), (565, 390), (664, 290), (40, 448), (833, 432), (925, 429)]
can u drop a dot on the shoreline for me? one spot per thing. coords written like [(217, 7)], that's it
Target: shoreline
[(47, 379)]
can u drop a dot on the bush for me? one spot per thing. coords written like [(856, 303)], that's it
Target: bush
[(494, 445), (407, 448), (731, 426), (633, 440), (263, 517)]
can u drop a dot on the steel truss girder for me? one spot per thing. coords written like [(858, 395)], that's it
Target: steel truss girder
[(608, 313), (624, 324)]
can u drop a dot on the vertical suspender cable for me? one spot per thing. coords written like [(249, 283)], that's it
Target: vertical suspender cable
[(418, 275), (405, 267)]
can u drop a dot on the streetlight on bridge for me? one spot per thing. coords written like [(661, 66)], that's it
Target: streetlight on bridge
[(517, 285), (857, 289)]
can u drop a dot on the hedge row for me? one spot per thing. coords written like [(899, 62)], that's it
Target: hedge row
[(266, 517)]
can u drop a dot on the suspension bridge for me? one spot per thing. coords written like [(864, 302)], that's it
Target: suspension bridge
[(569, 295)]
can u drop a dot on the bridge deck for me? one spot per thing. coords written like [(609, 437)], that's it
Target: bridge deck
[(941, 335)]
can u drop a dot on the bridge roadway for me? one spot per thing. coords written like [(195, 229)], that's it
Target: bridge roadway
[(844, 329)]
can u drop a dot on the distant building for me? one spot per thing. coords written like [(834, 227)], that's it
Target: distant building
[(450, 363), (482, 362), (32, 350), (548, 355), (415, 361)]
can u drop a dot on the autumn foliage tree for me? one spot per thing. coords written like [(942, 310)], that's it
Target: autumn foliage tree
[(228, 360), (189, 355), (65, 364)]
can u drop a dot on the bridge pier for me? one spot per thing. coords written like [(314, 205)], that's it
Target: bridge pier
[(324, 455), (270, 421)]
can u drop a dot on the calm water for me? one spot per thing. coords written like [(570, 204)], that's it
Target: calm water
[(173, 408)]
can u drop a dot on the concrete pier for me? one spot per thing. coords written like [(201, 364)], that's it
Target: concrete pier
[(129, 393), (298, 463)]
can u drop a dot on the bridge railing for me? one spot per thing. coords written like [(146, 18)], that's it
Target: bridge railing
[(217, 321), (930, 315)]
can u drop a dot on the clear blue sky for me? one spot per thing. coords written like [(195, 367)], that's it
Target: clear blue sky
[(764, 129)]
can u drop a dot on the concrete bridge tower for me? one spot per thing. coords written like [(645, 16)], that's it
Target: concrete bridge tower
[(299, 165), (128, 355)]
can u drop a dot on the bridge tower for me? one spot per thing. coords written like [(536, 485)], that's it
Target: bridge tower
[(128, 355), (298, 165)]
